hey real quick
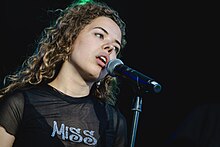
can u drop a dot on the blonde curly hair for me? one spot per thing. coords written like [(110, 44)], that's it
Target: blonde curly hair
[(54, 47)]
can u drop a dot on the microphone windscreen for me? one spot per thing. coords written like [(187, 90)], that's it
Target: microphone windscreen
[(112, 64)]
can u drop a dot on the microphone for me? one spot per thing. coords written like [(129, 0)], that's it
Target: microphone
[(117, 68)]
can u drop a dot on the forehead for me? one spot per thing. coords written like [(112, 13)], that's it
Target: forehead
[(108, 24)]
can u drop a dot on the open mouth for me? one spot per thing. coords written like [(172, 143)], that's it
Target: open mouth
[(102, 60)]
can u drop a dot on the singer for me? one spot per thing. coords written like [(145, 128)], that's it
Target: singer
[(62, 96)]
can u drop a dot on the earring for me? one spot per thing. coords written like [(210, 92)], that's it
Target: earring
[(98, 84)]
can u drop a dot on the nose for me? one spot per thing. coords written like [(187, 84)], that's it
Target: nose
[(109, 48)]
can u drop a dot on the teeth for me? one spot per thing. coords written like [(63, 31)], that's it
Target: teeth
[(103, 59)]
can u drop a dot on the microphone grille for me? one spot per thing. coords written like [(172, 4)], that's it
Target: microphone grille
[(112, 64)]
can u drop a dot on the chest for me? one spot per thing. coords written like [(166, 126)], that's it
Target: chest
[(55, 118)]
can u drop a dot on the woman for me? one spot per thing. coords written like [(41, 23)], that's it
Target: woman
[(62, 95)]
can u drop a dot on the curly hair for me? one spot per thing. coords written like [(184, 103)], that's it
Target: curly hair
[(54, 47)]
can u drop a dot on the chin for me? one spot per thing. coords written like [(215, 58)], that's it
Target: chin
[(98, 74), (94, 76)]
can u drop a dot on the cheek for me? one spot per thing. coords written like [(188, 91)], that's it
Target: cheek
[(80, 49)]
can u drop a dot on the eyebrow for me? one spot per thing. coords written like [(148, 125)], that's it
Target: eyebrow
[(107, 33)]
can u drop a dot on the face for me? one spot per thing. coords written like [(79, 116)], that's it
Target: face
[(96, 44)]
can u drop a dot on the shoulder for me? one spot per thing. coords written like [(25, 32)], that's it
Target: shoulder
[(115, 110), (15, 99), (118, 124), (11, 111), (110, 112), (114, 115)]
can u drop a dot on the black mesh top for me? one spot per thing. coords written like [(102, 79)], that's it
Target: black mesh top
[(45, 117)]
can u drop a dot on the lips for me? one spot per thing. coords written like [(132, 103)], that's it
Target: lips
[(102, 59)]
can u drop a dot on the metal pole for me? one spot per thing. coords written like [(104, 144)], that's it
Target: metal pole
[(137, 108)]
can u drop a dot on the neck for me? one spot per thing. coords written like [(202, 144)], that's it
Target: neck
[(71, 83)]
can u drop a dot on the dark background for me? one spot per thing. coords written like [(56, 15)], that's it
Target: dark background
[(174, 43)]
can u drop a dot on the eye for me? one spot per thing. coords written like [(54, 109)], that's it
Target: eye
[(99, 35), (117, 50)]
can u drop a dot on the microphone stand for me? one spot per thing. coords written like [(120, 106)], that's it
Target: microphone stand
[(137, 108)]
